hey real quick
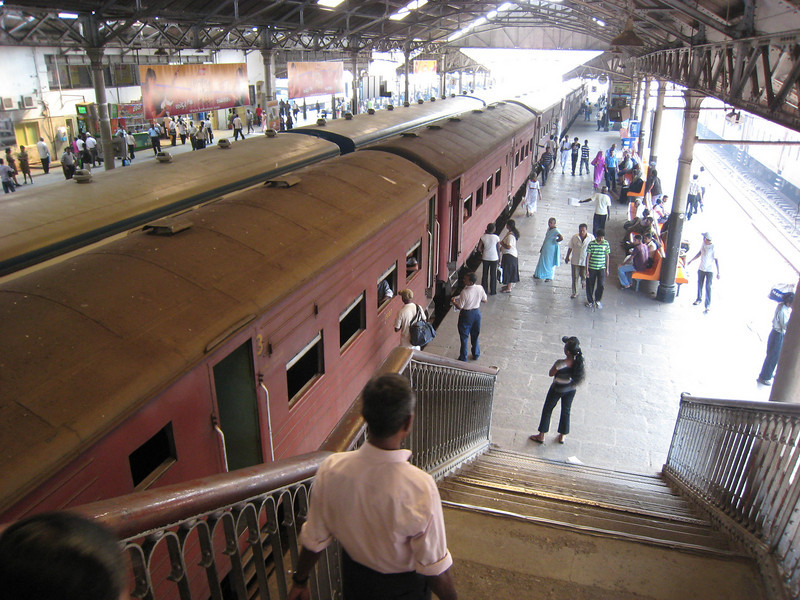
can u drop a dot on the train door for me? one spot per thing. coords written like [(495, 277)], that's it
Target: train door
[(455, 222), (513, 162), (237, 407), (433, 241)]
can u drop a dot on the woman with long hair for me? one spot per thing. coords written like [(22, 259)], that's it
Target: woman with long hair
[(510, 261), (567, 374)]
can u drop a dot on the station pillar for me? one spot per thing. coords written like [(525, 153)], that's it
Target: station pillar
[(644, 122), (460, 82), (356, 79), (667, 289), (636, 98), (98, 78), (656, 133), (786, 385), (407, 56), (442, 77), (268, 54)]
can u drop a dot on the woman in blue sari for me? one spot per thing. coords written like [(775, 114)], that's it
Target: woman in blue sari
[(550, 255)]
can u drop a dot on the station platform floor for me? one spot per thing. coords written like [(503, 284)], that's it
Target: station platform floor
[(641, 354)]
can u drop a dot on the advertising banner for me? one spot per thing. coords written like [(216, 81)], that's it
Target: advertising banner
[(315, 78), (272, 115), (424, 66), (183, 89)]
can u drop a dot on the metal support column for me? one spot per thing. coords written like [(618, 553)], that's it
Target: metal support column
[(269, 92), (636, 98), (460, 82), (442, 78), (407, 57), (786, 385), (98, 78), (666, 286), (644, 123), (656, 133), (356, 83)]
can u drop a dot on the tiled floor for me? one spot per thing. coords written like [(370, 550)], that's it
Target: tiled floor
[(641, 354)]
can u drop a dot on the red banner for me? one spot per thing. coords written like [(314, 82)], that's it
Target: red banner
[(315, 78), (183, 89)]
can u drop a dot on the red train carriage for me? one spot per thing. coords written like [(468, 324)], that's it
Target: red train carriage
[(479, 159), (155, 359)]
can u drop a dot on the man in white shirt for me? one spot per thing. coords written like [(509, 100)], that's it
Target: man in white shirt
[(44, 154), (576, 257), (237, 128), (469, 319), (385, 512), (209, 131), (775, 340), (6, 174), (708, 260), (91, 146), (155, 139), (490, 257), (602, 206), (410, 313)]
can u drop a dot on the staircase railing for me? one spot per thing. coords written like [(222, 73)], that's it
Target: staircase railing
[(235, 534), (741, 461)]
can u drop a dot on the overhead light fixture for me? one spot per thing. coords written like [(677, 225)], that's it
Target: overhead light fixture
[(599, 22), (628, 37), (506, 6), (160, 52), (329, 3), (67, 15), (406, 10)]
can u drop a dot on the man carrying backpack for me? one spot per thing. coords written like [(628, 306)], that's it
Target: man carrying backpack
[(407, 317)]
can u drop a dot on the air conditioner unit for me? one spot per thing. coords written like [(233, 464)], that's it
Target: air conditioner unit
[(28, 102), (9, 104)]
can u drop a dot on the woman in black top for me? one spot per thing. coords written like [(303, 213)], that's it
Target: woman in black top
[(567, 373)]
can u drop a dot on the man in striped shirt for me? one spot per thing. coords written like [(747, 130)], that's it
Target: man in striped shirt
[(596, 269), (694, 197), (584, 157)]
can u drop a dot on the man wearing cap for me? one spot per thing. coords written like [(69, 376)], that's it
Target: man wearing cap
[(385, 512), (775, 340), (708, 260)]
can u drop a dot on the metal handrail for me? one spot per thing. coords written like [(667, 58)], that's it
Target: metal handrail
[(740, 461), (243, 526)]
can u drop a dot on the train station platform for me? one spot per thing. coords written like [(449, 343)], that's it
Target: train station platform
[(641, 354)]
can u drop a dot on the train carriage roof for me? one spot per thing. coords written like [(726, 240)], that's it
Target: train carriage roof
[(87, 341), (450, 147), (366, 129), (63, 217)]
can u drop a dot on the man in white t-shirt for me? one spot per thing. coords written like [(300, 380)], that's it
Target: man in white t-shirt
[(576, 257), (602, 208), (488, 248), (708, 260), (91, 146), (469, 319), (44, 154), (410, 313)]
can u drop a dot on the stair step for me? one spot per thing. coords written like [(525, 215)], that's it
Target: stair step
[(588, 518)]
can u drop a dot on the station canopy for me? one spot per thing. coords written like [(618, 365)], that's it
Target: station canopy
[(746, 52)]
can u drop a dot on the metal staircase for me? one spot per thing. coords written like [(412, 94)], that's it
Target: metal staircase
[(628, 527)]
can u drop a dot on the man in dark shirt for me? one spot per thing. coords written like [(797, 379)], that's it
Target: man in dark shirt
[(576, 152), (636, 261), (584, 157), (546, 161)]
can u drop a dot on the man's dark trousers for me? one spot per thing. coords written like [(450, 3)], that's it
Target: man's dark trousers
[(598, 222), (597, 279), (469, 328), (774, 345)]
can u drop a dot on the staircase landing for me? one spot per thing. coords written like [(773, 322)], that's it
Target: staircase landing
[(582, 531)]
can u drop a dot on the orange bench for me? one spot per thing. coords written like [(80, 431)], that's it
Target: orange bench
[(654, 272)]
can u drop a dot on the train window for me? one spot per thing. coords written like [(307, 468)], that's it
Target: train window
[(413, 260), (497, 178), (489, 183), (467, 207), (306, 366), (387, 286), (516, 159), (149, 461), (479, 197), (352, 321)]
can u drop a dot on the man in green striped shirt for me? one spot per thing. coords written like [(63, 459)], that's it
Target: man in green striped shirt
[(596, 269)]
